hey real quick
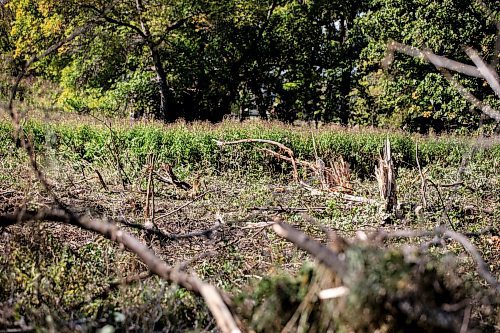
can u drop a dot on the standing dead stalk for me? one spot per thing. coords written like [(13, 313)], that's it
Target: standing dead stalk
[(149, 210), (386, 178)]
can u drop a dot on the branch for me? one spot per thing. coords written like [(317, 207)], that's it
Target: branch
[(279, 145), (109, 19), (442, 232), (489, 75), (173, 26), (485, 108), (168, 236), (326, 256), (443, 64), (427, 55), (212, 297)]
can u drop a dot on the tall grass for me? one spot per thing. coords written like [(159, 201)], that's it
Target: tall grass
[(194, 145)]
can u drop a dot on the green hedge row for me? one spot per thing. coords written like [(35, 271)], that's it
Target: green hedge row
[(194, 144)]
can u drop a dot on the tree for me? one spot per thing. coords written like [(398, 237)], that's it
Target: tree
[(412, 94)]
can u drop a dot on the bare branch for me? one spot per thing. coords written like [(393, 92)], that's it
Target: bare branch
[(279, 145), (168, 236), (325, 255), (443, 64), (485, 108), (427, 55), (442, 232), (489, 75)]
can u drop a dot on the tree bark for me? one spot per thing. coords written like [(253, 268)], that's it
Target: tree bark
[(161, 76)]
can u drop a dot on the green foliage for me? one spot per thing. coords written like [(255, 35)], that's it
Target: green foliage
[(412, 93), (194, 145), (288, 60)]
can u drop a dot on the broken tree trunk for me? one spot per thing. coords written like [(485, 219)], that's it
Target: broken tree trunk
[(386, 178)]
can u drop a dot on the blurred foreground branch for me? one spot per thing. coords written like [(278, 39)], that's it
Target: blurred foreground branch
[(211, 295)]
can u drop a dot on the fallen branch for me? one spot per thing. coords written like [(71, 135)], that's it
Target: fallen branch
[(182, 206), (213, 299), (326, 256), (442, 232), (279, 145), (343, 196), (168, 236), (289, 209)]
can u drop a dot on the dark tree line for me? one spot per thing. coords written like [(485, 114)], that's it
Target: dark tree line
[(311, 60)]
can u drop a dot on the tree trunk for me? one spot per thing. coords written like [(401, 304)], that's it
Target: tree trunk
[(161, 76)]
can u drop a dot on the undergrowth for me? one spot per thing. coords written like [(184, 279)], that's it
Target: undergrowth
[(194, 144)]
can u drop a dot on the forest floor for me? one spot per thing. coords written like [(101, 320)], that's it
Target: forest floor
[(56, 277)]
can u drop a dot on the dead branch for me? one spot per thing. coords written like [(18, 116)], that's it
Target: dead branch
[(277, 144), (325, 255), (289, 209), (444, 64), (438, 61), (183, 205), (489, 74), (343, 196), (168, 236), (101, 180), (171, 178), (444, 233), (212, 297)]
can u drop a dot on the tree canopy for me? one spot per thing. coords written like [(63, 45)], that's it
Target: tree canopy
[(288, 59)]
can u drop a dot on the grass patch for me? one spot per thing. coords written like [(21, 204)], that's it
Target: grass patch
[(193, 145)]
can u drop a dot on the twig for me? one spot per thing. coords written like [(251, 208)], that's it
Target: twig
[(101, 180), (212, 297), (149, 210), (183, 205), (445, 208)]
